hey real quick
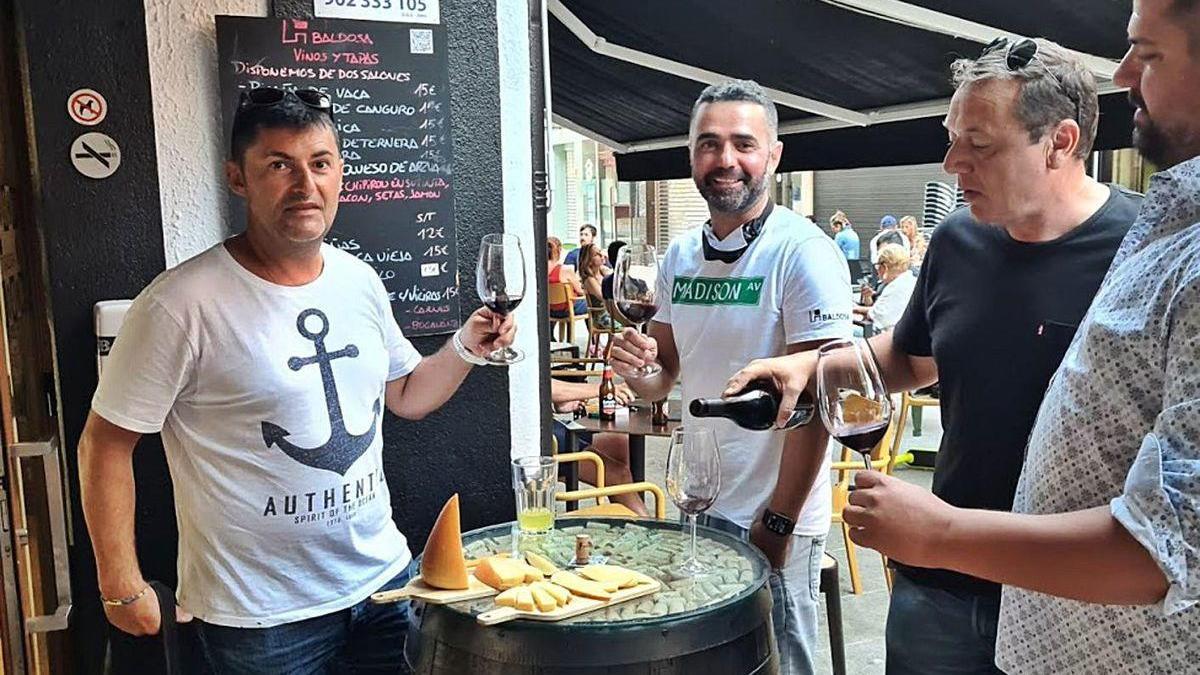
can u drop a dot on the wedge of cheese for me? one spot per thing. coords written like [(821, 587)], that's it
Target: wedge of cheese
[(525, 600), (508, 598), (540, 562), (542, 598), (501, 573), (580, 586), (442, 564), (561, 595), (610, 575)]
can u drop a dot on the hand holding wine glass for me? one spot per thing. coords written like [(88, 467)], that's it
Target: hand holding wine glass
[(635, 290), (693, 480), (854, 403), (500, 282)]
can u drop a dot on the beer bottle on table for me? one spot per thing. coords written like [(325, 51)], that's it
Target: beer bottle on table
[(755, 408), (608, 395)]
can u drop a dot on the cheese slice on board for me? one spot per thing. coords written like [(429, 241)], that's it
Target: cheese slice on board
[(442, 564)]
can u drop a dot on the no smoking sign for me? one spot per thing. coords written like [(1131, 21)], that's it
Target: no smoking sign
[(87, 107)]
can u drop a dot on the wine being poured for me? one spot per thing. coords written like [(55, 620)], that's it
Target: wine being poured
[(854, 403), (755, 408)]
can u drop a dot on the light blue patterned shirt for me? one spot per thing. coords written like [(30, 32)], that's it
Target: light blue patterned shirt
[(1120, 425)]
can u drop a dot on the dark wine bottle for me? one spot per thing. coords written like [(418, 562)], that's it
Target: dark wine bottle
[(755, 408)]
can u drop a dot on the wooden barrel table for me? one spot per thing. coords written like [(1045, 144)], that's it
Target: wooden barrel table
[(719, 623)]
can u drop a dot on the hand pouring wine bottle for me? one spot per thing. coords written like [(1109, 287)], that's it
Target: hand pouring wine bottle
[(755, 408)]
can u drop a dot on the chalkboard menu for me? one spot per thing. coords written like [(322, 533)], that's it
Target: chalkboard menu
[(391, 101)]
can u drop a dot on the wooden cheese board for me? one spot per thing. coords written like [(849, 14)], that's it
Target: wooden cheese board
[(578, 605), (416, 589)]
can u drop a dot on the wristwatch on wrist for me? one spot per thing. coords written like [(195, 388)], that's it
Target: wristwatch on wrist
[(464, 353), (777, 523)]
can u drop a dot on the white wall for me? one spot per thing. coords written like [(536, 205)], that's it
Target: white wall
[(515, 133), (182, 45)]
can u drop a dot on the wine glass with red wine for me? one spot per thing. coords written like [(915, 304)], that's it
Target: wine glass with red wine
[(693, 481), (635, 291), (500, 281), (854, 402)]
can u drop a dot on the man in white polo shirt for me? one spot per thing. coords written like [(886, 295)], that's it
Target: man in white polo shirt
[(757, 280)]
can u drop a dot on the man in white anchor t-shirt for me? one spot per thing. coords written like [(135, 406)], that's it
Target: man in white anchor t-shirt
[(266, 363)]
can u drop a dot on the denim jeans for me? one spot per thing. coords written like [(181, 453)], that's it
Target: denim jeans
[(935, 631), (794, 593), (366, 638)]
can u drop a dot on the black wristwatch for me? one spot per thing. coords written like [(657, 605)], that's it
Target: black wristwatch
[(778, 523)]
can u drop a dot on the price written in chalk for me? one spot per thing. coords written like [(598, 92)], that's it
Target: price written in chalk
[(432, 233)]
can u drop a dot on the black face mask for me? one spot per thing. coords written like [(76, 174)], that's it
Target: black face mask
[(750, 232)]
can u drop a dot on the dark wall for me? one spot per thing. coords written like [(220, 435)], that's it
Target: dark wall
[(104, 240)]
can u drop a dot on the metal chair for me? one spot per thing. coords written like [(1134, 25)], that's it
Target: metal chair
[(601, 492)]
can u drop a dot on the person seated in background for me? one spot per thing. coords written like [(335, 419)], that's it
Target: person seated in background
[(844, 235), (559, 274), (916, 240), (591, 275), (888, 234), (606, 284), (587, 237), (571, 397), (895, 275)]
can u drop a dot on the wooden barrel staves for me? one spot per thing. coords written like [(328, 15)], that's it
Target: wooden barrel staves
[(727, 633)]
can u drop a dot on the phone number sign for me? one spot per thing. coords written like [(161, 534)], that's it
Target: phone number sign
[(402, 11)]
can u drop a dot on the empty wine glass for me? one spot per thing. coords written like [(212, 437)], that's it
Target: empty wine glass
[(852, 397), (500, 282), (693, 480), (635, 291)]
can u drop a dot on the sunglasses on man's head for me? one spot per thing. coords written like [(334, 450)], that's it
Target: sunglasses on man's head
[(265, 97), (1020, 54)]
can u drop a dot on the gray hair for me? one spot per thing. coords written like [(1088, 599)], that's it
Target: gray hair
[(1055, 86), (747, 91)]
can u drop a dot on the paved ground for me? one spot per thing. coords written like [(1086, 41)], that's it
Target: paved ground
[(863, 616)]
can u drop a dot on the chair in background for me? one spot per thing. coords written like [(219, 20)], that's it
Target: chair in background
[(601, 492), (884, 458), (914, 403), (560, 294), (597, 331)]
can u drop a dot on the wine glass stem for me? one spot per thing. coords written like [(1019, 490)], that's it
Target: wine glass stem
[(692, 522), (867, 460)]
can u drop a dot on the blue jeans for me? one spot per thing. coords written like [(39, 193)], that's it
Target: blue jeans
[(794, 593), (935, 631), (366, 638)]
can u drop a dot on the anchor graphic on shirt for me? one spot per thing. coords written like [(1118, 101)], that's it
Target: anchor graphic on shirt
[(343, 448)]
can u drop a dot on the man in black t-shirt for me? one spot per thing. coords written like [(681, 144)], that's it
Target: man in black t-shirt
[(994, 310)]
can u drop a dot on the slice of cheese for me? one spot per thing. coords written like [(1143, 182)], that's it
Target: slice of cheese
[(542, 598), (508, 598), (580, 586), (442, 564), (525, 600), (609, 575), (540, 562), (501, 573), (561, 595), (531, 573)]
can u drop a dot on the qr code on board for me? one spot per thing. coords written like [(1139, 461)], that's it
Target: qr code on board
[(420, 41)]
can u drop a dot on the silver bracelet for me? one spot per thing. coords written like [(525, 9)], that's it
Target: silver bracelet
[(128, 600), (464, 353)]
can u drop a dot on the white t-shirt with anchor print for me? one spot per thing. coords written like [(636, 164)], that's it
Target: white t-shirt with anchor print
[(270, 401)]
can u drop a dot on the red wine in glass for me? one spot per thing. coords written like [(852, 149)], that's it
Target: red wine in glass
[(502, 303), (637, 312), (862, 438)]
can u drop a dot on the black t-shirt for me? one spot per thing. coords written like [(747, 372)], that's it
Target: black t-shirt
[(997, 315)]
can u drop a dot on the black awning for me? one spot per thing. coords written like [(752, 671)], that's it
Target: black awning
[(826, 51)]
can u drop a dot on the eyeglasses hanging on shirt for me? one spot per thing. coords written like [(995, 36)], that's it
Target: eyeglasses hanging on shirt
[(750, 232)]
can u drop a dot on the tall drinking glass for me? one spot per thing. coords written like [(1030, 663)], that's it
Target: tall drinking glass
[(854, 403), (534, 481), (635, 291), (693, 480), (500, 282)]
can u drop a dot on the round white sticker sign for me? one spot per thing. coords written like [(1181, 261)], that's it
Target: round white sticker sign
[(95, 155), (87, 107)]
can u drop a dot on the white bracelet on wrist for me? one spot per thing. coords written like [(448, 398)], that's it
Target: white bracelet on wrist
[(464, 353)]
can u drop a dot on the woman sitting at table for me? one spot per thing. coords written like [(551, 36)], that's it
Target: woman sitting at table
[(561, 275), (898, 284), (570, 397), (591, 273)]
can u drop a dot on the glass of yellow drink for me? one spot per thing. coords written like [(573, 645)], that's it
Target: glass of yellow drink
[(534, 481)]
